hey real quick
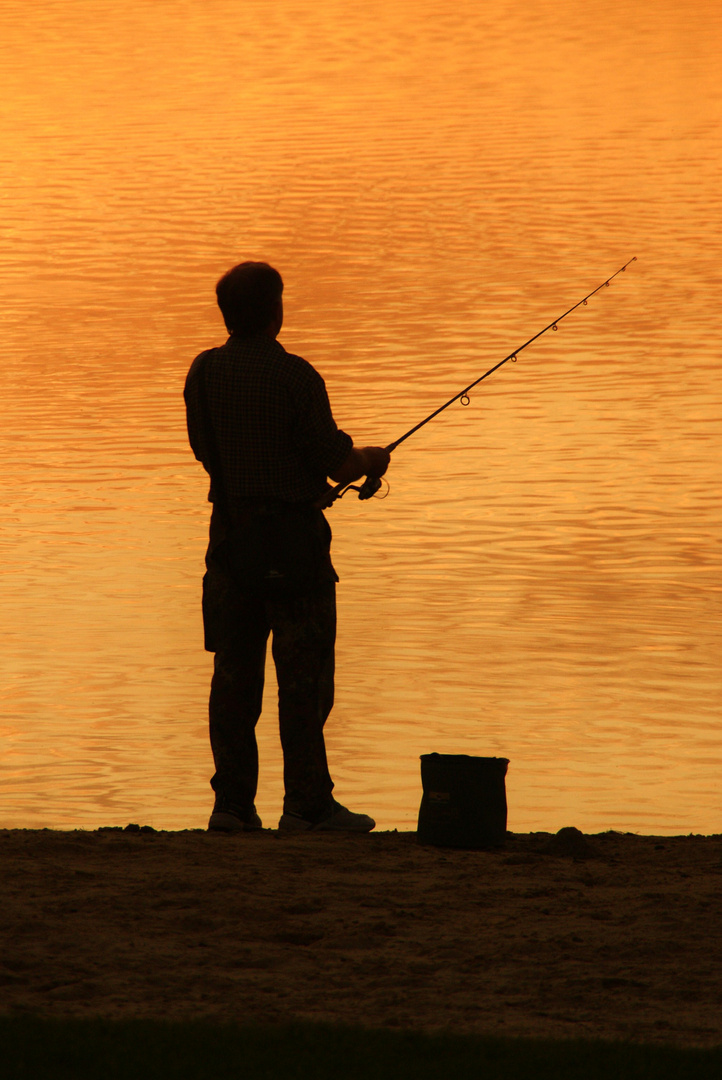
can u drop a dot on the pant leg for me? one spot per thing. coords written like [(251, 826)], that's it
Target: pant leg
[(304, 637), (237, 630)]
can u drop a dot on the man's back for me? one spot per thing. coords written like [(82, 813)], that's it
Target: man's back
[(271, 419)]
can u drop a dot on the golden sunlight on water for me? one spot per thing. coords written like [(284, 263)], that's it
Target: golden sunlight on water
[(436, 185)]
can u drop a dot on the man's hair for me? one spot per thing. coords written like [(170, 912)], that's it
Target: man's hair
[(248, 296)]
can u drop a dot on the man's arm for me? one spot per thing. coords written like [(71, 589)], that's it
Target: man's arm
[(365, 461)]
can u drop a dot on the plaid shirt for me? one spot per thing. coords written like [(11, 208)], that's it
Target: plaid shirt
[(271, 418)]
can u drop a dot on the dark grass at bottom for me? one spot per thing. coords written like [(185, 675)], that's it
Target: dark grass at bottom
[(56, 1049)]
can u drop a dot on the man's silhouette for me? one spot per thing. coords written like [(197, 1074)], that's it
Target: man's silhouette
[(260, 422)]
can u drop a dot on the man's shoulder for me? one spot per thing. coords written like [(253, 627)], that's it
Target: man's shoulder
[(201, 357), (298, 364), (291, 368), (196, 366), (266, 356)]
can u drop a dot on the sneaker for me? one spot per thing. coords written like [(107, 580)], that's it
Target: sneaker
[(339, 819), (229, 817)]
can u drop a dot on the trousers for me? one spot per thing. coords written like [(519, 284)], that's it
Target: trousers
[(237, 627)]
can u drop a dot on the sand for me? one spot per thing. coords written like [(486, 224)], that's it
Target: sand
[(611, 936)]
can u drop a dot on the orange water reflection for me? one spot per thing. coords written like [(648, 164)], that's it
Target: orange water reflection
[(543, 582)]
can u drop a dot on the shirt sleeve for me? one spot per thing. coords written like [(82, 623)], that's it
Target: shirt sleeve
[(193, 411), (317, 438)]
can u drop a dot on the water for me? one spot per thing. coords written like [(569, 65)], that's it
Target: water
[(543, 581)]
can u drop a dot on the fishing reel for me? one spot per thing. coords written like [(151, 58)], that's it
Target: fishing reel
[(370, 486), (367, 490)]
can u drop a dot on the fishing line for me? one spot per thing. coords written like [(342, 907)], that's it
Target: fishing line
[(373, 483)]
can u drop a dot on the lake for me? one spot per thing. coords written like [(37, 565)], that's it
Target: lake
[(436, 185)]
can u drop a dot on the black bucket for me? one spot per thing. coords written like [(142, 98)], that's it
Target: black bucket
[(464, 801)]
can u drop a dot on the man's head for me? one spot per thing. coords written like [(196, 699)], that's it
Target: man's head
[(249, 297)]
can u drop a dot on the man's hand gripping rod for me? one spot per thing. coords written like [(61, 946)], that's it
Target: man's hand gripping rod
[(372, 483)]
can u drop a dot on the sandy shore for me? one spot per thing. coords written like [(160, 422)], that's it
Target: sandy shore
[(612, 936)]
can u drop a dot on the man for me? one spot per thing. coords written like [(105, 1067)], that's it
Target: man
[(260, 422)]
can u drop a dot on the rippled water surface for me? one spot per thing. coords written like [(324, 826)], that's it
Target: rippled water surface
[(436, 185)]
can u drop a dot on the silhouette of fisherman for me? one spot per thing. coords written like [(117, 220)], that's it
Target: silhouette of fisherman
[(260, 422)]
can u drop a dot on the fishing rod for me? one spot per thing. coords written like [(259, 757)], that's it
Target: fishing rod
[(372, 483)]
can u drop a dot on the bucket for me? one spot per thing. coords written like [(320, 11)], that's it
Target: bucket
[(464, 801)]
